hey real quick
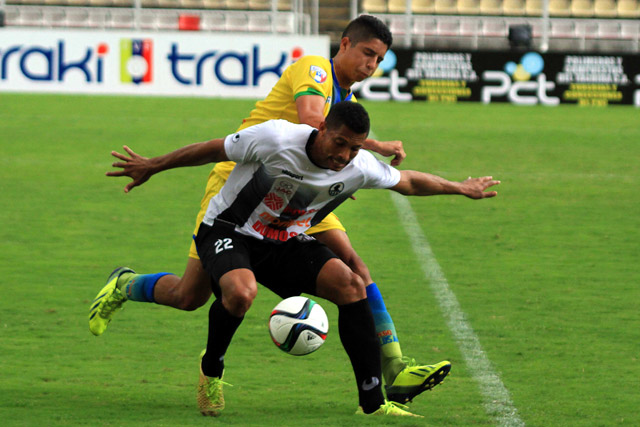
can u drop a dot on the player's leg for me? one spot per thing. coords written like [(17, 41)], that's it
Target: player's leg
[(232, 279), (312, 268), (188, 292), (403, 377), (337, 283), (334, 236)]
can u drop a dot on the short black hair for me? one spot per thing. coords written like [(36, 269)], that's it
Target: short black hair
[(367, 27), (350, 114)]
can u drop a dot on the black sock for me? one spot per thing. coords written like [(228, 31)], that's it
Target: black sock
[(358, 335), (222, 326)]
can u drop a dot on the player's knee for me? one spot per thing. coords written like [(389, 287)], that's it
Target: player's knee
[(238, 301), (358, 266), (349, 288)]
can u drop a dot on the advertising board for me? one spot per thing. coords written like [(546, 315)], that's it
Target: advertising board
[(152, 63), (518, 77)]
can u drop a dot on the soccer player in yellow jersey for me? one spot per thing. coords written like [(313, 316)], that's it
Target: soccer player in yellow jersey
[(303, 94)]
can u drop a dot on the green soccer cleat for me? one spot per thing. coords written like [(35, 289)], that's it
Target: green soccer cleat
[(390, 408), (414, 379), (106, 302), (210, 396)]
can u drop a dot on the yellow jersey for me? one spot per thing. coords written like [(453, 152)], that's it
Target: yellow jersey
[(310, 75)]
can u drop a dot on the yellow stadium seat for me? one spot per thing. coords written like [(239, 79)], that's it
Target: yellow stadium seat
[(628, 9), (374, 6), (605, 8), (213, 4), (469, 7), (533, 7), (582, 8), (238, 5), (191, 4), (259, 4), (446, 7), (491, 7), (559, 8), (397, 6), (285, 4), (423, 6), (513, 7)]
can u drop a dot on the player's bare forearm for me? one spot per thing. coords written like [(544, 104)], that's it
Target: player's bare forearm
[(197, 154), (387, 149), (140, 168), (414, 183)]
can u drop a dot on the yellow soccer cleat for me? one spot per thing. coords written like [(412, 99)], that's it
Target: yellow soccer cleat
[(390, 408), (106, 302), (210, 396), (414, 379)]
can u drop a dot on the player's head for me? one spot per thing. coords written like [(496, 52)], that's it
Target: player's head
[(364, 43), (349, 114), (340, 136), (367, 27)]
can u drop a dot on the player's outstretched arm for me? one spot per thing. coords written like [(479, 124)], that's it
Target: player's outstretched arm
[(387, 149), (414, 183), (140, 168)]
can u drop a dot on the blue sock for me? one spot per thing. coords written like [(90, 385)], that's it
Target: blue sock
[(387, 337), (140, 287)]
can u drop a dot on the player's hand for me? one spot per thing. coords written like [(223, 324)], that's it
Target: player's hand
[(390, 149), (474, 188), (136, 167)]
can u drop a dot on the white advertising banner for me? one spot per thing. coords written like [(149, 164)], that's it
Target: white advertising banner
[(148, 63)]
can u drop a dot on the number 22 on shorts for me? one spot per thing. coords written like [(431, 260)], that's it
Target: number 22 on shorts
[(222, 244)]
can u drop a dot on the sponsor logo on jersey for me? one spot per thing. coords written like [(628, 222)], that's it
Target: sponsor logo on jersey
[(318, 74), (283, 187), (336, 189), (273, 201), (292, 175), (235, 138)]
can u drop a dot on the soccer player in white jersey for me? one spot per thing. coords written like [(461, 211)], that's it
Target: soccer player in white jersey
[(288, 178)]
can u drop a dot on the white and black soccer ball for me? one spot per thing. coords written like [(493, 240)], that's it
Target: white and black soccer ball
[(298, 325)]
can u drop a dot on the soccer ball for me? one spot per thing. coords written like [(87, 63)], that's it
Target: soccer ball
[(298, 325)]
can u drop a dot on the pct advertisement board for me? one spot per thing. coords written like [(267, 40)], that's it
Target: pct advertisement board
[(152, 63), (523, 78)]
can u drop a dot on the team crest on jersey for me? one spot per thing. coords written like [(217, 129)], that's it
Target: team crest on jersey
[(235, 138), (318, 74), (336, 189)]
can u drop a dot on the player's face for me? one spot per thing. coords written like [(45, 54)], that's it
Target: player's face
[(362, 59), (335, 148)]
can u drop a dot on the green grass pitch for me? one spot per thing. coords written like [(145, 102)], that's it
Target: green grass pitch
[(547, 274)]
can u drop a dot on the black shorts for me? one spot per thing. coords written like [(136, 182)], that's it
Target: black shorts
[(288, 269)]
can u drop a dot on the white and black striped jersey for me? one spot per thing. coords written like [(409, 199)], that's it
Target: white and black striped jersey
[(276, 192)]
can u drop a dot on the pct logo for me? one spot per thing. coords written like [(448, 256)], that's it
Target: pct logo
[(531, 65), (388, 87), (318, 74), (136, 61)]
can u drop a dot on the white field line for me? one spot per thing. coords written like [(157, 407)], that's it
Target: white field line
[(497, 401)]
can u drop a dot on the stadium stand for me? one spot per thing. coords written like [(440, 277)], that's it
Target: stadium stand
[(491, 7), (559, 7), (374, 6), (582, 8), (397, 6), (469, 7), (446, 7), (514, 7), (441, 23), (423, 6), (628, 9)]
